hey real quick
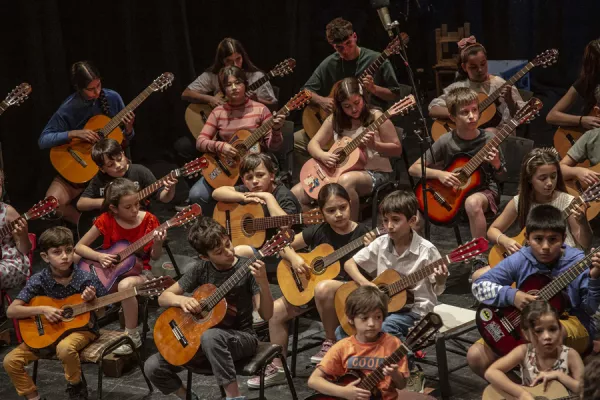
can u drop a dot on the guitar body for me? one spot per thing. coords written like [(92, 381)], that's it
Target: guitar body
[(300, 289), (492, 322), (237, 220), (344, 380), (498, 252), (593, 206), (443, 210), (565, 138), (313, 117), (222, 170), (177, 334), (573, 183), (315, 175), (396, 302), (555, 390), (108, 276), (64, 162), (196, 116), (441, 126), (38, 332)]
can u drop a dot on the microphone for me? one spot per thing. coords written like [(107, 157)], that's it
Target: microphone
[(384, 14)]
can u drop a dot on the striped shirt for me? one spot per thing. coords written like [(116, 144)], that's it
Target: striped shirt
[(226, 119)]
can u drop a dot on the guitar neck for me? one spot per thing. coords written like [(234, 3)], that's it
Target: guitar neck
[(260, 82), (141, 242), (261, 131), (354, 143), (375, 65), (416, 277), (264, 223), (214, 299), (344, 250), (479, 158), (117, 119), (494, 96), (148, 190), (7, 229), (370, 381), (3, 106), (563, 280), (103, 301)]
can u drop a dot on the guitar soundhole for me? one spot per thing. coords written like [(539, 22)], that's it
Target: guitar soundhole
[(341, 157), (203, 116), (248, 225), (202, 315), (384, 289), (318, 266), (67, 313)]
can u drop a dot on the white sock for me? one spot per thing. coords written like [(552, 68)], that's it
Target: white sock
[(131, 332)]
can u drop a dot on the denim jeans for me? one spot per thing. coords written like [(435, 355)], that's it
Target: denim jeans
[(201, 193)]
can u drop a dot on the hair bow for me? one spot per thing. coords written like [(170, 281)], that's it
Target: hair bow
[(464, 42)]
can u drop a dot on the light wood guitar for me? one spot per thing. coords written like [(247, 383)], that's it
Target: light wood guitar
[(487, 108), (314, 174), (16, 96), (565, 137), (225, 171), (177, 333), (247, 224), (554, 391), (313, 116), (38, 332), (196, 114), (324, 264), (73, 160), (396, 285), (590, 196), (42, 208)]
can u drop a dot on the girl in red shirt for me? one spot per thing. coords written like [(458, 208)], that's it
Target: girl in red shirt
[(123, 219)]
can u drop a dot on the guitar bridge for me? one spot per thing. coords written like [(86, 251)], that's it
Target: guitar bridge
[(297, 280), (75, 156), (178, 334), (570, 138), (223, 167), (440, 199), (39, 325)]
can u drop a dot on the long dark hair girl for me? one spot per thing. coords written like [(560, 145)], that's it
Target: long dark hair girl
[(342, 91), (590, 74), (227, 47), (82, 74)]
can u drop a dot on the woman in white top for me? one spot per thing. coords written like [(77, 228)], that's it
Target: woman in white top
[(351, 114)]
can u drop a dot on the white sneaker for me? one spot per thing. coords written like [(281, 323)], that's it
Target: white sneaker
[(274, 375), (324, 349), (126, 349)]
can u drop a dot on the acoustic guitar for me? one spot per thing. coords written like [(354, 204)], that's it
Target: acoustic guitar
[(324, 264), (576, 188), (128, 264), (196, 114), (225, 171), (247, 224), (418, 335), (16, 96), (38, 332), (445, 202), (500, 327), (396, 286), (314, 174), (177, 333), (565, 137), (554, 391), (487, 107), (190, 169), (73, 160), (42, 208), (499, 253), (313, 116)]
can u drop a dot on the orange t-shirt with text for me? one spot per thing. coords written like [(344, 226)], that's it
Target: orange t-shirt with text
[(349, 354), (112, 232)]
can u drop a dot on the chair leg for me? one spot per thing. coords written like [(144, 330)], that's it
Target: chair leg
[(261, 394), (188, 392), (407, 165), (100, 374), (457, 234), (172, 257), (288, 376), (141, 365), (145, 327), (35, 368), (223, 394), (295, 327)]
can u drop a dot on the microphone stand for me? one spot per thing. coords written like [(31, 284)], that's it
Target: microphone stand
[(425, 140)]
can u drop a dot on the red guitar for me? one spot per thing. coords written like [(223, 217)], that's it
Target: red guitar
[(128, 265), (500, 328), (444, 202), (42, 208), (314, 175)]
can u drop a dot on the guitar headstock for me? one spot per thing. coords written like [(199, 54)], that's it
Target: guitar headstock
[(18, 95), (394, 46), (278, 242), (529, 111), (186, 215), (194, 167), (284, 68), (423, 330), (300, 100), (313, 216), (403, 106), (162, 82), (42, 208), (468, 250), (591, 193), (546, 58), (154, 287)]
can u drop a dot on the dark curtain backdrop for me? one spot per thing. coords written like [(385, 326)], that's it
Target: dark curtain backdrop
[(134, 41)]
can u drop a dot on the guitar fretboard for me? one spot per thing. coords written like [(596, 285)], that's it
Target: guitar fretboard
[(494, 96), (348, 248), (416, 277), (103, 301), (117, 119), (10, 227), (141, 242), (375, 65), (3, 106), (371, 380), (255, 85), (563, 280), (354, 143), (148, 190), (214, 299), (260, 132), (264, 223)]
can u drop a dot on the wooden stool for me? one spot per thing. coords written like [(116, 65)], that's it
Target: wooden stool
[(446, 62)]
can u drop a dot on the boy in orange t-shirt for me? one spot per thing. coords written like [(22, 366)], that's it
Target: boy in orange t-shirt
[(363, 352)]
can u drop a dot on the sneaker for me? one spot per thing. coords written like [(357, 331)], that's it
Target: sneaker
[(324, 349), (126, 349), (274, 375), (416, 380), (77, 392)]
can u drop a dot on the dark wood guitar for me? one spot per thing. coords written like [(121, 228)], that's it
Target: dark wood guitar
[(565, 137), (314, 174), (38, 332), (42, 208), (177, 333), (444, 202), (247, 224), (500, 327), (396, 286), (128, 264), (16, 96), (197, 114), (420, 334), (73, 160), (225, 171), (487, 108), (324, 264)]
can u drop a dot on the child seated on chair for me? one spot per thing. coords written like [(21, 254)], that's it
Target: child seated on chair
[(545, 231), (61, 279), (231, 340)]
